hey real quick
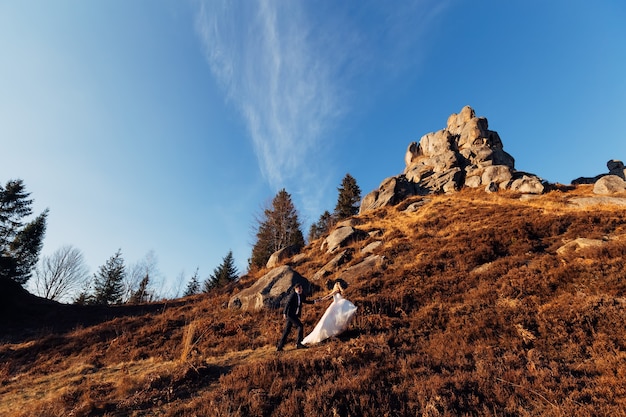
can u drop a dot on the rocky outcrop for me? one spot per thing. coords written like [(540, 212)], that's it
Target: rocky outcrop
[(464, 154), (334, 264), (616, 169), (589, 202), (579, 244), (372, 247), (608, 183), (390, 192), (280, 255), (269, 290), (364, 269)]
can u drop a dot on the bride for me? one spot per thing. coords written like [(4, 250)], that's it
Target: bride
[(335, 319)]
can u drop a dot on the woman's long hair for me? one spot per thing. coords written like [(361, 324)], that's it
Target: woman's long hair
[(338, 287)]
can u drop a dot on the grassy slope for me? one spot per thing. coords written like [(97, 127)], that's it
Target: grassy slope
[(474, 313)]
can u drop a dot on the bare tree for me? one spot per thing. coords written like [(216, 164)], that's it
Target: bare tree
[(178, 284), (61, 273)]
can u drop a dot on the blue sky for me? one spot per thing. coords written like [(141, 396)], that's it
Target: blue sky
[(164, 127)]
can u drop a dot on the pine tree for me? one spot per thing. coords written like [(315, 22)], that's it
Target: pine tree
[(208, 285), (278, 229), (348, 199), (193, 286), (20, 244), (322, 226), (85, 296), (141, 295), (83, 299), (109, 281), (224, 274)]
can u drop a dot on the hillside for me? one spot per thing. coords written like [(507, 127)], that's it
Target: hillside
[(487, 304)]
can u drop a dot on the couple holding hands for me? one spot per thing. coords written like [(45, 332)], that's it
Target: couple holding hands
[(334, 321)]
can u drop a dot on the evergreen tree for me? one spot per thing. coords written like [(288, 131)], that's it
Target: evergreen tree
[(193, 286), (278, 229), (85, 296), (224, 274), (348, 199), (20, 244), (141, 295), (109, 281), (208, 285), (323, 225)]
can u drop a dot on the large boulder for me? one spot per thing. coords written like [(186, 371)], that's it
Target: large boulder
[(609, 184), (342, 236), (364, 269), (527, 184), (280, 255), (333, 264), (497, 174), (270, 290), (390, 192)]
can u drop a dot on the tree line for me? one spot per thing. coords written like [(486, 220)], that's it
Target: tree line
[(64, 272), (279, 227)]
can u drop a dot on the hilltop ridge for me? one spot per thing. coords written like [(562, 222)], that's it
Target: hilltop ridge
[(466, 153), (480, 290), (487, 304)]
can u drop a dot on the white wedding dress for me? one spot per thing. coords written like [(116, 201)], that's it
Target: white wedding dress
[(335, 320)]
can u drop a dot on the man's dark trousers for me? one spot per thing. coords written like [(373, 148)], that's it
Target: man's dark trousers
[(291, 322), (292, 312)]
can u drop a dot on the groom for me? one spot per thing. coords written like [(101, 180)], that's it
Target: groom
[(291, 313)]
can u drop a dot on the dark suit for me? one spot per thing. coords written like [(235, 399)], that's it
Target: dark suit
[(292, 312)]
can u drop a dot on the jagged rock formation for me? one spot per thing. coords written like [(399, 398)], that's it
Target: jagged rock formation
[(465, 153)]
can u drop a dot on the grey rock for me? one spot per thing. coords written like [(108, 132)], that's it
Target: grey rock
[(269, 290), (464, 153), (341, 237), (372, 247), (609, 184), (333, 265), (364, 269), (280, 255)]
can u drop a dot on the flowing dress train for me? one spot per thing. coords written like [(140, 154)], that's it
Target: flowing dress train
[(335, 320)]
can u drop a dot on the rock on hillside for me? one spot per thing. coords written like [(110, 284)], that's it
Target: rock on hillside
[(612, 182), (269, 290), (464, 154)]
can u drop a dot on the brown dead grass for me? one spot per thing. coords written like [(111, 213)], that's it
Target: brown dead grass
[(474, 313)]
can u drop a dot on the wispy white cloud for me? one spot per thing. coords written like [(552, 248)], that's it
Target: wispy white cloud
[(265, 58), (294, 68)]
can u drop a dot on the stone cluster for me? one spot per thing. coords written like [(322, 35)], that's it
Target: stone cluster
[(464, 154)]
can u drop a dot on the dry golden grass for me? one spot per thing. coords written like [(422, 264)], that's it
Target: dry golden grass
[(474, 313), (24, 393)]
